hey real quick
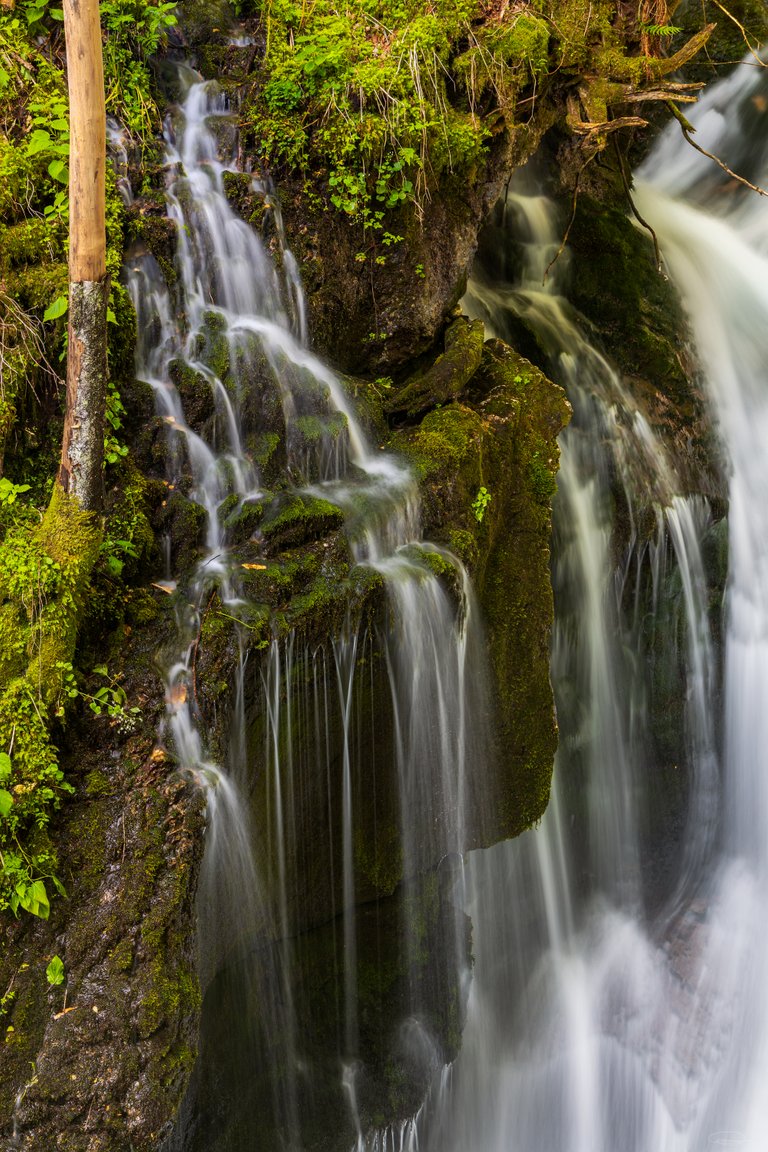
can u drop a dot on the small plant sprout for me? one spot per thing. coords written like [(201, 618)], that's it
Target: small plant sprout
[(480, 503), (54, 973)]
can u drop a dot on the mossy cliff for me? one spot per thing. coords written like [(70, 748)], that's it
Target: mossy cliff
[(389, 132), (497, 436)]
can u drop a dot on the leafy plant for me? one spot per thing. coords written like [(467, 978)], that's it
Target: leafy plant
[(9, 491), (108, 700), (361, 93), (54, 973), (480, 504), (663, 30)]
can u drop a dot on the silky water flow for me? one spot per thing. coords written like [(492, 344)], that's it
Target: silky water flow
[(255, 1081), (617, 1003), (620, 1002)]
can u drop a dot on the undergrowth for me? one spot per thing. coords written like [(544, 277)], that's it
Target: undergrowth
[(53, 558), (382, 98), (379, 102)]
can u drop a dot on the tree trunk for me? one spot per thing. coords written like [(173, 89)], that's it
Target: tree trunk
[(82, 450)]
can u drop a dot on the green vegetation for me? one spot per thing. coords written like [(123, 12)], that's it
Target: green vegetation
[(54, 973), (480, 503), (362, 91), (53, 558), (377, 101)]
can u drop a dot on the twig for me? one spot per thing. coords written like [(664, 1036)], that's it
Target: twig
[(744, 33), (632, 205), (687, 128), (567, 233)]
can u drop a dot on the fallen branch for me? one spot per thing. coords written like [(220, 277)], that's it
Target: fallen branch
[(687, 128), (589, 128)]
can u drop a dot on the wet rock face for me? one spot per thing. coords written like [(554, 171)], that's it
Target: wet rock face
[(635, 313), (101, 1060), (498, 437)]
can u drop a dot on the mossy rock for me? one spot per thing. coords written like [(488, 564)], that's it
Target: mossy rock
[(501, 439), (297, 519), (184, 522), (195, 393), (447, 377)]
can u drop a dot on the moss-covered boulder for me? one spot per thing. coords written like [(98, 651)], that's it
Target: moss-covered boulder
[(488, 465)]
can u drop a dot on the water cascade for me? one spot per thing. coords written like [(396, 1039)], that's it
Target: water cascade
[(619, 992), (617, 1004), (330, 721)]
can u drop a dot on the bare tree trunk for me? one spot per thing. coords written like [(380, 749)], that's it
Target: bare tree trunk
[(82, 450)]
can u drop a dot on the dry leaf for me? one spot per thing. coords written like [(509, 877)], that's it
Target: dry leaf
[(179, 694)]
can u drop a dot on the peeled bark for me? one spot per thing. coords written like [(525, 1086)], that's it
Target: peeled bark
[(82, 450)]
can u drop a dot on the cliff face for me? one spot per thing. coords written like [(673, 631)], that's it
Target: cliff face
[(107, 1058)]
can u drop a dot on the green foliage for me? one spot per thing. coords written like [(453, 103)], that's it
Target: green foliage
[(9, 491), (54, 973), (364, 94), (480, 504), (44, 571), (109, 699), (56, 309), (664, 30), (134, 31)]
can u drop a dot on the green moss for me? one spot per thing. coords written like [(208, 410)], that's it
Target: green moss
[(513, 574), (297, 519), (213, 345), (445, 441), (97, 783), (380, 861), (448, 375), (44, 575)]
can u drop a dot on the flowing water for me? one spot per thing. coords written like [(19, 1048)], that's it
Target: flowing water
[(285, 818), (613, 1008), (619, 996)]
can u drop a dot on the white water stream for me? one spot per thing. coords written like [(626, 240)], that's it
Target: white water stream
[(598, 1022), (229, 290)]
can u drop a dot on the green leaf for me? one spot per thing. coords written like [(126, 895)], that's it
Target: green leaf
[(39, 140), (59, 171), (101, 670), (54, 973), (33, 898), (58, 308), (6, 802), (5, 765)]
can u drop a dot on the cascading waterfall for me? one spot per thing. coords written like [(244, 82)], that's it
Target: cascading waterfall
[(231, 296), (602, 1017), (609, 1009)]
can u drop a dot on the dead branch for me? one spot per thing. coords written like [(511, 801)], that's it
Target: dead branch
[(687, 128)]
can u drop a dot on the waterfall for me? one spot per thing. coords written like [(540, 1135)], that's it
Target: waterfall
[(618, 1001), (604, 1014), (232, 315)]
